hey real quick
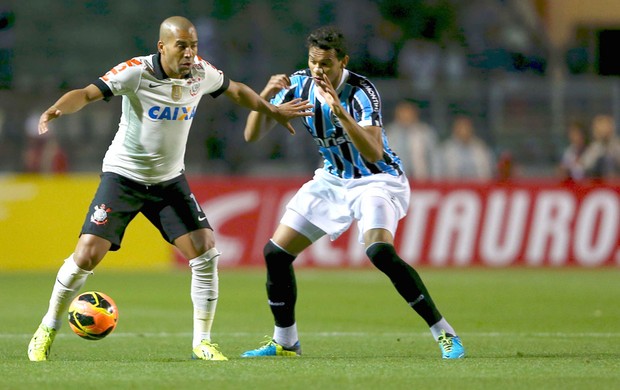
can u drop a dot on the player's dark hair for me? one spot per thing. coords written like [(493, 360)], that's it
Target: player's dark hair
[(327, 38)]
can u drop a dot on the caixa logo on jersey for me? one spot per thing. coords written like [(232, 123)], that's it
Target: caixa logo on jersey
[(167, 113)]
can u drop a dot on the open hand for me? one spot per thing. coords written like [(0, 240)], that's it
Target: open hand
[(48, 115), (326, 89), (290, 110)]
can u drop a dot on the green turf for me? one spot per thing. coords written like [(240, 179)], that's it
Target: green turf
[(523, 328)]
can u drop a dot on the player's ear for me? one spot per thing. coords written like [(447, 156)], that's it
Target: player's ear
[(344, 62), (160, 46)]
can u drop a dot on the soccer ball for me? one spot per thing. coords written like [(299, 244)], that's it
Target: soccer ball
[(93, 315)]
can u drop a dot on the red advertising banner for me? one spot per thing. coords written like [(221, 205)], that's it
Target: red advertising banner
[(449, 224)]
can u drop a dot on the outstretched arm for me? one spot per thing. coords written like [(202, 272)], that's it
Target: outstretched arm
[(246, 97), (69, 103), (257, 124)]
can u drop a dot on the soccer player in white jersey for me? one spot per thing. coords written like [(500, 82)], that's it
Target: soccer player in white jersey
[(143, 171), (362, 179)]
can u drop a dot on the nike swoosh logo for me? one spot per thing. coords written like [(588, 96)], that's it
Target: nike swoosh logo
[(152, 85), (202, 218)]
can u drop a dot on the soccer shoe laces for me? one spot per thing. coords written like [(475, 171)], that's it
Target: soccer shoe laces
[(207, 350), (41, 343), (267, 342), (445, 340), (269, 347), (451, 346)]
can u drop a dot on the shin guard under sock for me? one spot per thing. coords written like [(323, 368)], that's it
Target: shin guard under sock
[(69, 280), (281, 284), (406, 280), (204, 293)]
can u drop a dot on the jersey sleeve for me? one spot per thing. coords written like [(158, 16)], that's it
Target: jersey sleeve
[(215, 82), (123, 78), (368, 107)]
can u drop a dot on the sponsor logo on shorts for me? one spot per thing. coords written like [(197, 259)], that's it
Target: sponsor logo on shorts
[(100, 216)]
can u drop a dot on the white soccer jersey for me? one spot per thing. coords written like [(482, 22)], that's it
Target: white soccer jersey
[(149, 146)]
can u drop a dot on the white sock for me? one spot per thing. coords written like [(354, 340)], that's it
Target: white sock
[(204, 293), (69, 280), (286, 337), (442, 325)]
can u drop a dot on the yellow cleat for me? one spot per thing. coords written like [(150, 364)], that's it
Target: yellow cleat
[(207, 351), (41, 343)]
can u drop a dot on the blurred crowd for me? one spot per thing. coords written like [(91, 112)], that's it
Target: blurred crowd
[(592, 151), (427, 47)]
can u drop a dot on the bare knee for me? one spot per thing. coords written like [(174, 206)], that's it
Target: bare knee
[(90, 250), (195, 243)]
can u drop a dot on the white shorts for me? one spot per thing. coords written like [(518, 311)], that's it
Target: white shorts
[(328, 205)]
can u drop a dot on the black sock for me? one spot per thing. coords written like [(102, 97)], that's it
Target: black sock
[(281, 284), (406, 280)]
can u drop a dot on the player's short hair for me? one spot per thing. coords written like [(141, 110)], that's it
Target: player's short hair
[(327, 38)]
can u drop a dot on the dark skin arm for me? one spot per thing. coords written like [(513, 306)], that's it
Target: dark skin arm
[(69, 103), (259, 124), (246, 97)]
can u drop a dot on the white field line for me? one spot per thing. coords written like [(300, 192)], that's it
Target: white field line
[(602, 335)]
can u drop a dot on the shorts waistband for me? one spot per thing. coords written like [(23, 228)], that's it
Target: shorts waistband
[(134, 184)]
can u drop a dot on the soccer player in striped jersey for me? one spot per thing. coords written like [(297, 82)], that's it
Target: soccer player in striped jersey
[(143, 171), (361, 179)]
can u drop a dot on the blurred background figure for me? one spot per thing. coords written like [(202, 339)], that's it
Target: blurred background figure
[(464, 155), (601, 159), (414, 140), (505, 166), (42, 153), (570, 167), (419, 61)]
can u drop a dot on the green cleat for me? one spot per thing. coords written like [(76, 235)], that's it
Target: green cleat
[(271, 348), (41, 343), (451, 346), (207, 351)]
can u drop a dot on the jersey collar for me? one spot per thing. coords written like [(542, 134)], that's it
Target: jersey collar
[(158, 69), (343, 80)]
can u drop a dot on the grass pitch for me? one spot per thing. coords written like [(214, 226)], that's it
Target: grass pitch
[(523, 329)]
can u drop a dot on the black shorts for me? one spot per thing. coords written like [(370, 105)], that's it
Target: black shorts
[(170, 206)]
